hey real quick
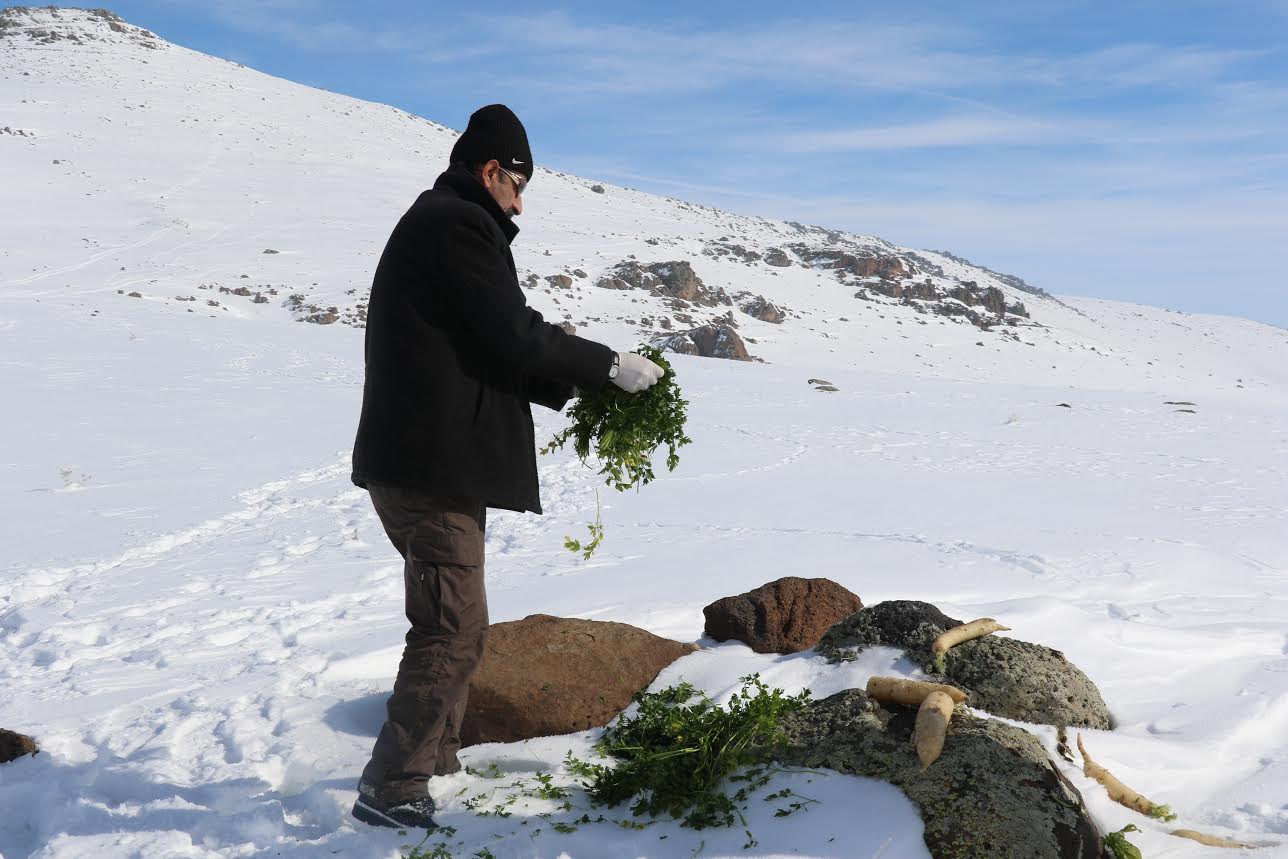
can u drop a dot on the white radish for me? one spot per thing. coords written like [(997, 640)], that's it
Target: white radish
[(899, 690), (932, 727)]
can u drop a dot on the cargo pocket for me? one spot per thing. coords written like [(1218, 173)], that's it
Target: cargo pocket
[(445, 593)]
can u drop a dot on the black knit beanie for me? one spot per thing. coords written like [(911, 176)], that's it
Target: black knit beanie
[(495, 132)]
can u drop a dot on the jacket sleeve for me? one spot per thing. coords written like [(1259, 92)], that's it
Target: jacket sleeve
[(552, 395), (475, 278)]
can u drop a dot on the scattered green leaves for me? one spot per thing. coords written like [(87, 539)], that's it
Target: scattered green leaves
[(596, 535), (1118, 844), (625, 429), (493, 770), (438, 851)]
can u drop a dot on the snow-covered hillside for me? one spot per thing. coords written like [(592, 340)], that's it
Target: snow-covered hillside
[(142, 167), (199, 615)]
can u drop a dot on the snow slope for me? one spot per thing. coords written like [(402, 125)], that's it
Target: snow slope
[(199, 615)]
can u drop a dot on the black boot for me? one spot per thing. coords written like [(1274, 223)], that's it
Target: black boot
[(414, 813)]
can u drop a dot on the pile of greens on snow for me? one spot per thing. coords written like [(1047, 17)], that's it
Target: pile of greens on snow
[(680, 750), (625, 429)]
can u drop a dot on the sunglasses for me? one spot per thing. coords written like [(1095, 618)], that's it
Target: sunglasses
[(520, 184)]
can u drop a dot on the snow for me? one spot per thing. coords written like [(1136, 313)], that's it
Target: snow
[(200, 616)]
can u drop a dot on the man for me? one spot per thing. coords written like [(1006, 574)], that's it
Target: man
[(454, 357)]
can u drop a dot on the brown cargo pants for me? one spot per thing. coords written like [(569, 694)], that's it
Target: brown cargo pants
[(442, 545)]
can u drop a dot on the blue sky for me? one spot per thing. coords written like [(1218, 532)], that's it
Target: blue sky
[(1131, 150)]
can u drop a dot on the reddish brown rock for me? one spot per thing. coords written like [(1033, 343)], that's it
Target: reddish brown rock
[(14, 745), (545, 675), (784, 616)]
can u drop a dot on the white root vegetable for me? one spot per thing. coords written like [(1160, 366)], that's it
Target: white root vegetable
[(1119, 792), (932, 727), (965, 632), (898, 690), (1212, 840)]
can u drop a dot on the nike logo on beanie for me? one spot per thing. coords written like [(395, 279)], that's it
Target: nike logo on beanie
[(494, 132)]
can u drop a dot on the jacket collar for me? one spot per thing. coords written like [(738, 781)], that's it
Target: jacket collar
[(460, 182)]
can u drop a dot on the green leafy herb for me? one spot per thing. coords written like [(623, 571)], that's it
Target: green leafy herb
[(1119, 845), (1162, 812), (624, 431), (676, 753)]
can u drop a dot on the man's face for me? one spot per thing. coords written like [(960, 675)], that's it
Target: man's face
[(503, 188)]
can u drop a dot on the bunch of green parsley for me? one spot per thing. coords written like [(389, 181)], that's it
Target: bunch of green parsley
[(624, 431)]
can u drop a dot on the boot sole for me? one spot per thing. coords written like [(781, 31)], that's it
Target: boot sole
[(373, 816)]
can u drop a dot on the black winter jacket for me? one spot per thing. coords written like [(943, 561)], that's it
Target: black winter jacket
[(454, 356)]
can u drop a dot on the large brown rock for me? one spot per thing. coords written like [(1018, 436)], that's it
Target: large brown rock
[(546, 675), (14, 745), (784, 616)]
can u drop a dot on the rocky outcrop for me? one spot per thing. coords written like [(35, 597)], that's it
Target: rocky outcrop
[(675, 279), (763, 309), (777, 258), (706, 341), (559, 281), (14, 745), (729, 249), (991, 299), (887, 267), (784, 616), (311, 312), (993, 791), (50, 24), (1005, 676), (546, 675)]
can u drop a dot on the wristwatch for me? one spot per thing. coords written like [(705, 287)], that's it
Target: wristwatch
[(617, 366)]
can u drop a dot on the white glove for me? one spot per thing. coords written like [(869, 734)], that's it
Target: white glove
[(636, 373)]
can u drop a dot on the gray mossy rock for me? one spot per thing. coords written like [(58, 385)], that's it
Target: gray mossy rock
[(994, 792), (908, 624), (1026, 681), (1004, 676)]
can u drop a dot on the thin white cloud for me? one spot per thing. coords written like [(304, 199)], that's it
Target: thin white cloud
[(945, 132)]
